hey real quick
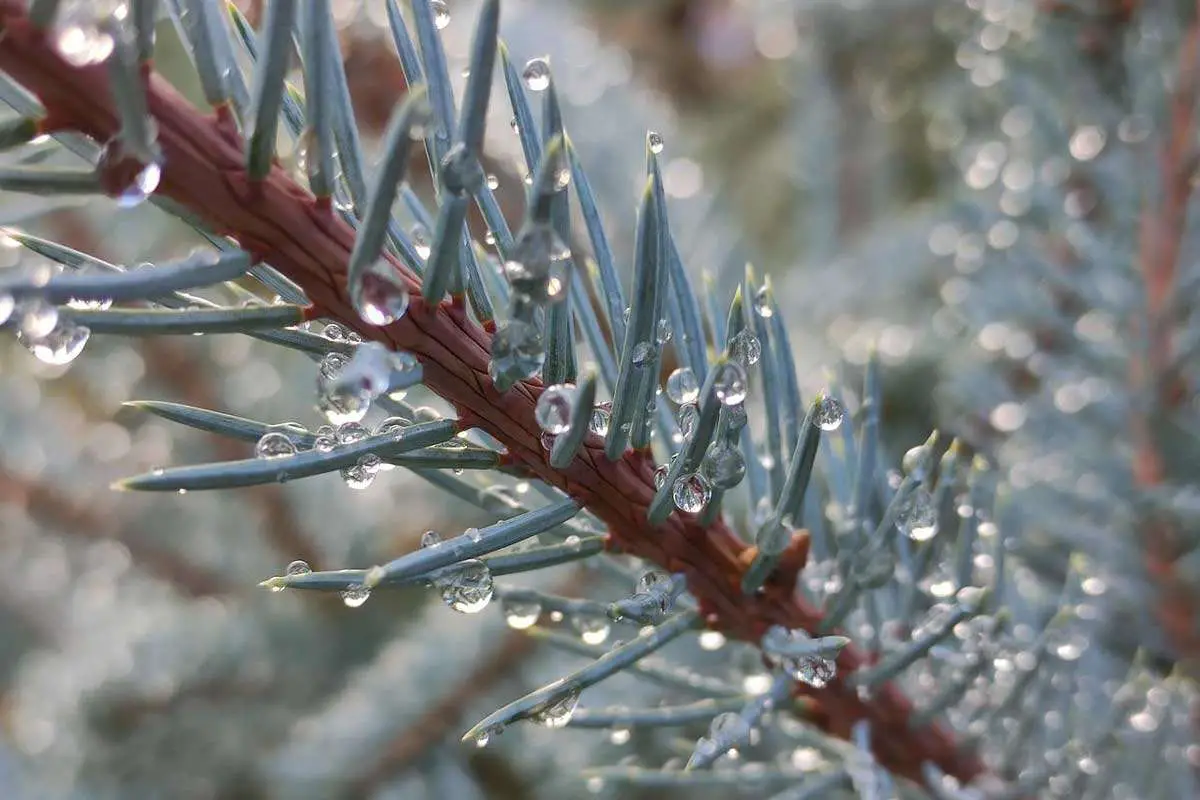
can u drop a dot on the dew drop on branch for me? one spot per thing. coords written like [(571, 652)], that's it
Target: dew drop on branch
[(441, 13), (78, 34), (682, 386), (918, 517), (60, 346), (762, 303), (520, 616), (745, 348), (274, 444), (36, 318), (554, 408), (723, 466), (592, 628), (379, 294), (355, 596), (654, 141), (600, 419), (557, 713), (729, 383), (359, 476), (536, 74), (691, 493), (517, 351), (829, 413), (467, 587)]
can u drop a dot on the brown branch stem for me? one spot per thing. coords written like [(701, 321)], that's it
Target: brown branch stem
[(282, 224)]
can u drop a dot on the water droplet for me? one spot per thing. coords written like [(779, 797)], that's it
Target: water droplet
[(762, 303), (688, 416), (370, 462), (102, 304), (600, 419), (662, 331), (918, 517), (812, 670), (573, 542), (745, 348), (619, 736), (520, 616), (517, 351), (482, 738), (36, 318), (358, 477), (274, 444), (79, 36), (324, 443), (643, 354), (654, 141), (537, 74), (344, 407), (298, 568), (60, 346), (132, 180), (441, 13), (554, 408), (592, 629), (682, 386), (829, 413), (379, 294), (467, 587), (691, 493), (355, 596), (538, 265), (660, 475), (729, 383), (562, 178), (493, 182), (431, 539), (711, 640), (351, 432), (723, 466), (334, 332), (557, 713)]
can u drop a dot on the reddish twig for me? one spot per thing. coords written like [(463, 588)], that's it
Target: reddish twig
[(282, 224), (1162, 231)]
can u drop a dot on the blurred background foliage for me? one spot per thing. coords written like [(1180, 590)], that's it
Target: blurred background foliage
[(857, 151)]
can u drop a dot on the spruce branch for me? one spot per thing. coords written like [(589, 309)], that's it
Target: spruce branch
[(301, 236)]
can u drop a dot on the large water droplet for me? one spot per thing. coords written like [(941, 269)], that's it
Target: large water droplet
[(554, 408), (467, 587), (351, 432), (729, 383), (79, 36), (537, 74), (274, 444), (745, 348), (918, 517), (688, 416), (343, 408), (723, 466), (36, 318), (441, 13), (355, 596), (600, 419), (557, 713), (654, 141), (358, 476), (132, 180), (298, 568), (691, 493), (538, 265), (682, 386), (829, 413), (520, 616), (517, 351), (660, 475), (61, 346), (662, 331), (592, 628), (762, 304), (379, 294)]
